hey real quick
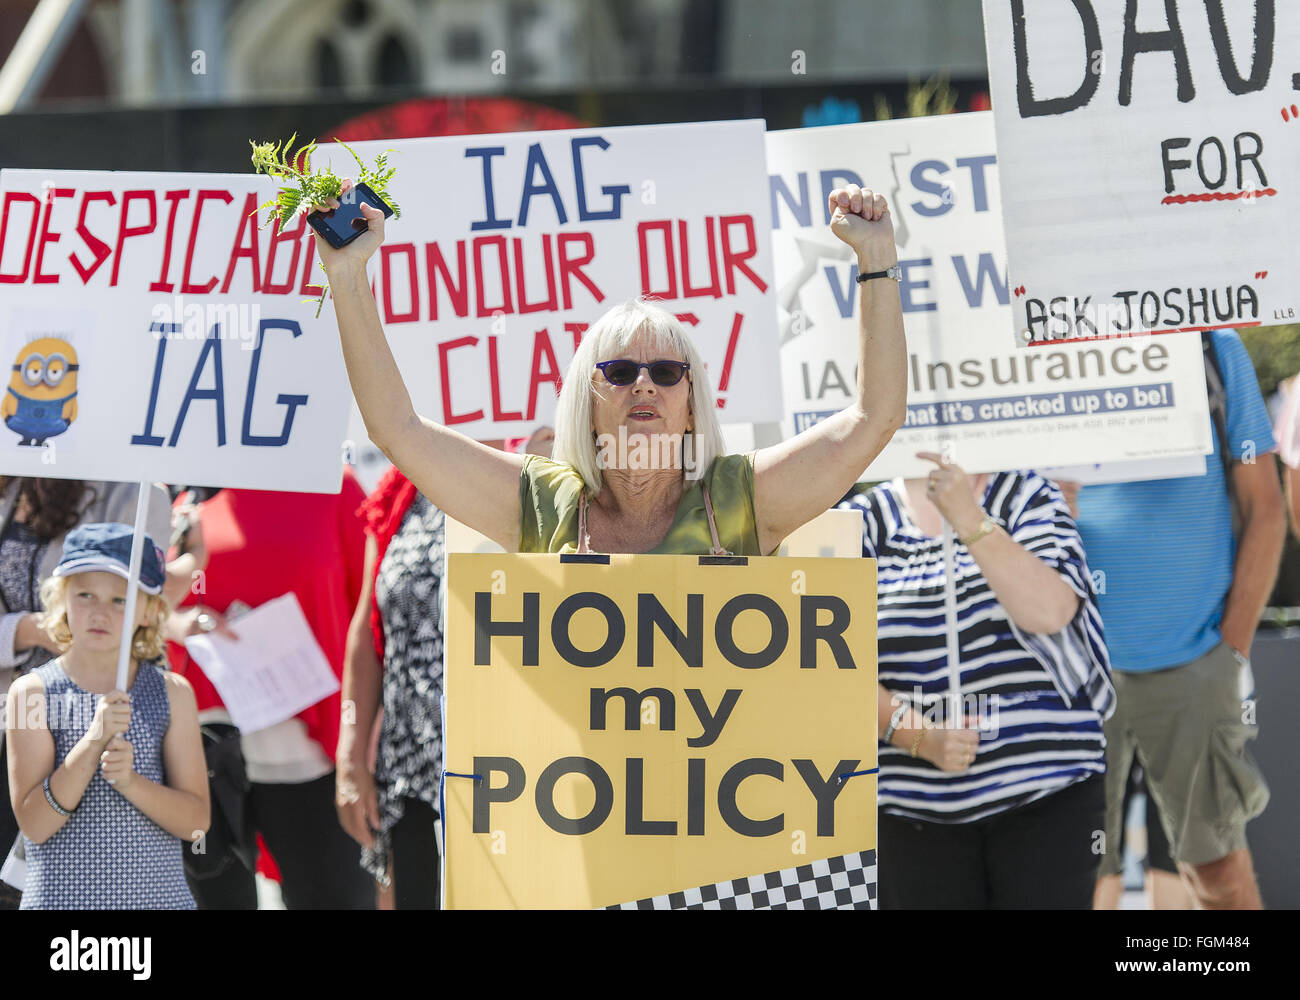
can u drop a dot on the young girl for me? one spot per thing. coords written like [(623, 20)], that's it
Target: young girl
[(108, 786)]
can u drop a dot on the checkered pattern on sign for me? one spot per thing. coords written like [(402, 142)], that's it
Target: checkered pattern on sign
[(847, 882)]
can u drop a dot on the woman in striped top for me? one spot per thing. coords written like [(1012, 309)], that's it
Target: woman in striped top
[(1005, 809)]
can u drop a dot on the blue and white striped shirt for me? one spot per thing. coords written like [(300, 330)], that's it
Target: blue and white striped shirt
[(1042, 697)]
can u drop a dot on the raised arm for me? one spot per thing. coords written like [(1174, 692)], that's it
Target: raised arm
[(471, 482), (797, 479)]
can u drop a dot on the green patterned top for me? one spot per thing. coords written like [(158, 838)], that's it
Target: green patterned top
[(549, 493)]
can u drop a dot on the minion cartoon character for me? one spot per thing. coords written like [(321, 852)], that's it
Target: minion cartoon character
[(41, 401)]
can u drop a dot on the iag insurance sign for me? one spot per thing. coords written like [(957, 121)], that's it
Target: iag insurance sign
[(973, 395)]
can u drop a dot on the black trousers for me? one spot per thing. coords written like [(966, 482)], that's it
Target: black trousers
[(415, 858), (1040, 856), (317, 859)]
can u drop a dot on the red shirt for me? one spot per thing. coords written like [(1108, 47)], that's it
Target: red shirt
[(262, 544)]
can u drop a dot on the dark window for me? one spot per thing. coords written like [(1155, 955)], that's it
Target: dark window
[(329, 68), (464, 44), (355, 13), (394, 69)]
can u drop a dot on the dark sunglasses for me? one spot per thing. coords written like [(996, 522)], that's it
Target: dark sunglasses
[(622, 372)]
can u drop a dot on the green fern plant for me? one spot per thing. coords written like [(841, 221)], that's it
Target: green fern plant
[(301, 187), (934, 97)]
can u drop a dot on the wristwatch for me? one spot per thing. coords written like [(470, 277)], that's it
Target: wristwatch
[(1245, 676), (893, 271), (986, 528), (894, 720)]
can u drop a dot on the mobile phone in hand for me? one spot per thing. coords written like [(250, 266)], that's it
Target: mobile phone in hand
[(340, 226)]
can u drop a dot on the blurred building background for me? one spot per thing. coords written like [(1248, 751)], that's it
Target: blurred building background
[(182, 84), (148, 52)]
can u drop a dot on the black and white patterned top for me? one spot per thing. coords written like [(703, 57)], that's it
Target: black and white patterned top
[(108, 855), (407, 591), (21, 552)]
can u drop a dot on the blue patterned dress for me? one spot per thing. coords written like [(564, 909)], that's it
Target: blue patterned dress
[(108, 855)]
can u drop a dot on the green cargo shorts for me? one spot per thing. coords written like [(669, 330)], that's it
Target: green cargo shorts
[(1189, 728)]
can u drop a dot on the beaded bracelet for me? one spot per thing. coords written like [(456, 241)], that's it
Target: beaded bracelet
[(49, 797)]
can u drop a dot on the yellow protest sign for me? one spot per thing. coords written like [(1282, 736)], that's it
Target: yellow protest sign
[(648, 729)]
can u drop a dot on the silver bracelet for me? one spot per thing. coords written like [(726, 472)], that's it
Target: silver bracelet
[(894, 720), (49, 797)]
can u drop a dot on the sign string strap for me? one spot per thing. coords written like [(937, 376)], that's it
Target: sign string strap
[(717, 549), (584, 542), (855, 774), (442, 801)]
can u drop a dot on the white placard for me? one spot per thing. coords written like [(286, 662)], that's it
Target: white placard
[(1150, 163), (273, 671), (197, 359), (462, 538), (510, 245), (1182, 467), (14, 870), (831, 534), (971, 395)]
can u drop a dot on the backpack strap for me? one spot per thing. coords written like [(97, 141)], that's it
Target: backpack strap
[(1216, 394)]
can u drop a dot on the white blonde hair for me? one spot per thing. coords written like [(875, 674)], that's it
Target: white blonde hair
[(607, 339)]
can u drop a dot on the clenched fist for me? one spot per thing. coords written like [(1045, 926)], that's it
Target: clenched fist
[(112, 718), (117, 763), (949, 749), (860, 217)]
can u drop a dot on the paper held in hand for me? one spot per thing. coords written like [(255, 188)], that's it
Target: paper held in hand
[(274, 670)]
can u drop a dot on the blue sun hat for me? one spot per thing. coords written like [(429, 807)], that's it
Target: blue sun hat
[(106, 548)]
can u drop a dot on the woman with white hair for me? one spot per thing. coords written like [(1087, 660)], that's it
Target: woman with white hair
[(638, 458)]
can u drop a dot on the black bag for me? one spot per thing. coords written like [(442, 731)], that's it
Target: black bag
[(231, 835)]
